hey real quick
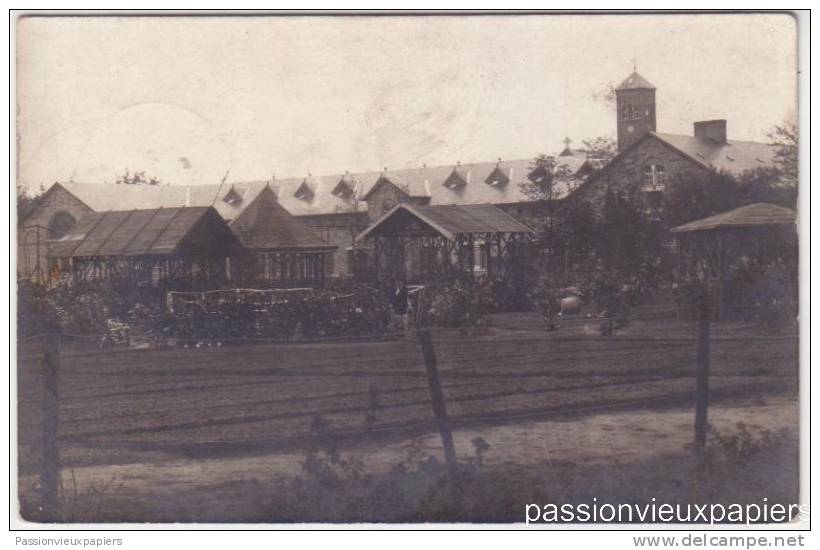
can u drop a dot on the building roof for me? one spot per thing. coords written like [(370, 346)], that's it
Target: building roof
[(158, 231), (101, 197), (733, 156), (231, 199), (452, 220), (429, 182), (635, 82), (752, 215), (266, 225)]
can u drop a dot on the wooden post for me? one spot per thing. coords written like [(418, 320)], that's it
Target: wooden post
[(702, 392), (437, 398), (50, 467)]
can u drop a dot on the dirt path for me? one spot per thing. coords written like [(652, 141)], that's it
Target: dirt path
[(619, 437)]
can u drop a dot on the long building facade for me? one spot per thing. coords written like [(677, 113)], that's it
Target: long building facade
[(340, 206)]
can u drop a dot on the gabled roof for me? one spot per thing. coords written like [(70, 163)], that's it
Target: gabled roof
[(497, 178), (752, 215), (304, 192), (266, 225), (346, 187), (452, 220), (455, 180), (159, 231), (733, 157), (102, 197), (635, 82), (232, 196)]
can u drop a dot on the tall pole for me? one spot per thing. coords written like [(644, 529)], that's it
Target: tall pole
[(702, 390), (437, 398), (50, 468)]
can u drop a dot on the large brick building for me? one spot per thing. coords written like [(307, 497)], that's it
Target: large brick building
[(340, 206), (648, 160)]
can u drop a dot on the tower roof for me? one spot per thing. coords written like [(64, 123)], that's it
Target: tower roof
[(635, 82)]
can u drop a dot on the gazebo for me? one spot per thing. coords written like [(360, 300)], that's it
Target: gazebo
[(707, 246), (704, 247), (418, 243)]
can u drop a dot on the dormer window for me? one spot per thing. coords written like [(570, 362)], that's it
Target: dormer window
[(344, 189), (304, 193), (455, 180), (538, 175), (497, 177), (232, 197)]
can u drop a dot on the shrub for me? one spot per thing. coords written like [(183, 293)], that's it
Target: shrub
[(227, 315), (455, 303)]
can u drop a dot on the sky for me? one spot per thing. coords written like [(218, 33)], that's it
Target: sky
[(191, 100)]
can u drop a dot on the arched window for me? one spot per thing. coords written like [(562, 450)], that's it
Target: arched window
[(60, 224), (654, 176)]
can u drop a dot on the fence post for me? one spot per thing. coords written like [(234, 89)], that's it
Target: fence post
[(437, 398), (50, 468), (702, 392)]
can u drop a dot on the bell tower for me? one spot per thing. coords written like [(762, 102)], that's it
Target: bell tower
[(635, 101)]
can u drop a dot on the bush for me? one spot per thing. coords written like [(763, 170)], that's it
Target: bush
[(455, 303), (227, 315)]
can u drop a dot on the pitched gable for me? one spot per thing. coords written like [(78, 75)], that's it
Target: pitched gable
[(497, 177)]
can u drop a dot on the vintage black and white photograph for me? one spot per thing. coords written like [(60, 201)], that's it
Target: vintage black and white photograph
[(407, 268)]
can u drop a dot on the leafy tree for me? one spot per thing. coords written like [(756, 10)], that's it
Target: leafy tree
[(137, 178), (686, 199), (767, 184), (601, 148), (606, 95), (542, 185), (785, 139), (626, 238)]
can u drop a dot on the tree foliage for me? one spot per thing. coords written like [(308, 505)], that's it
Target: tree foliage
[(601, 148), (784, 137), (27, 201), (137, 178)]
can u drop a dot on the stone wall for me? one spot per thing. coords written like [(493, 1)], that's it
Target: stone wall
[(54, 202), (626, 174)]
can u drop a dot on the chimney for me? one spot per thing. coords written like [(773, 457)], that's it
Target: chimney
[(711, 129)]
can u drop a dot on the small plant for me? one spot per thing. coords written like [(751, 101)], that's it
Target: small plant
[(480, 446), (745, 442)]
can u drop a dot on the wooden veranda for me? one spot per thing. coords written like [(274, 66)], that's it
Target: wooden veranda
[(419, 243), (190, 244)]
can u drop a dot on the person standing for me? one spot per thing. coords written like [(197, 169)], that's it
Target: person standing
[(400, 305)]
